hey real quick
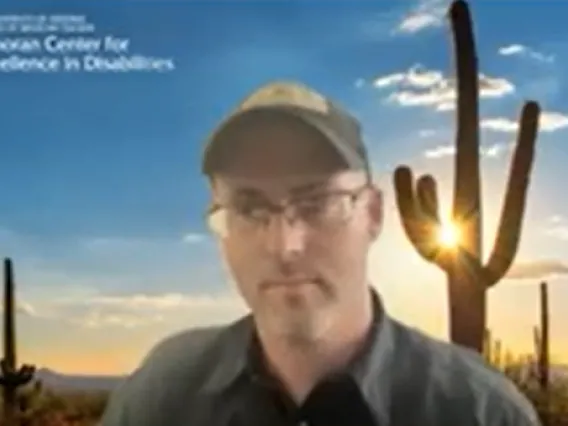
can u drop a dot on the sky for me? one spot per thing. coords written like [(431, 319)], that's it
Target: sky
[(102, 199)]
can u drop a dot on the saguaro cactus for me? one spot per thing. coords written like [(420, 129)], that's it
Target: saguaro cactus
[(542, 341), (11, 378), (468, 275), (487, 346)]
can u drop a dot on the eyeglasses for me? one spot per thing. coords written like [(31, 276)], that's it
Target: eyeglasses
[(321, 211)]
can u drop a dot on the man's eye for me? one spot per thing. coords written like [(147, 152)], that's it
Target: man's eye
[(313, 205), (251, 210)]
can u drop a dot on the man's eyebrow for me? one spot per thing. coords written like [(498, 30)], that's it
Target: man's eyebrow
[(247, 193), (309, 188), (299, 190)]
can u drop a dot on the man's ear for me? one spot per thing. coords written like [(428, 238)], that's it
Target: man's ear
[(376, 212)]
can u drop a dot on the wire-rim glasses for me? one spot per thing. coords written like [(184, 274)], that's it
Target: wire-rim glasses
[(322, 211)]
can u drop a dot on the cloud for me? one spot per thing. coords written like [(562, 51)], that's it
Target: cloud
[(127, 262), (496, 150), (416, 76), (560, 232), (490, 151), (138, 310), (97, 319), (24, 308), (425, 15), (74, 280), (193, 238), (555, 219), (419, 86), (552, 121), (426, 133), (137, 243), (538, 269), (160, 302), (548, 122), (499, 124), (525, 52), (557, 227), (440, 151)]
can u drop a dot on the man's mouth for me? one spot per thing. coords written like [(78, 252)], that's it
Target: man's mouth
[(289, 283)]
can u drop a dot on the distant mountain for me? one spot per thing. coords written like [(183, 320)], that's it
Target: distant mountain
[(66, 382)]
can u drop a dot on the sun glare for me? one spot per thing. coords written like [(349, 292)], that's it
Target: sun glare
[(449, 235)]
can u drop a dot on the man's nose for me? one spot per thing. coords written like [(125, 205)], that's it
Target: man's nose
[(285, 237)]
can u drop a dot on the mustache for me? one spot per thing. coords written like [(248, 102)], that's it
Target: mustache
[(290, 274)]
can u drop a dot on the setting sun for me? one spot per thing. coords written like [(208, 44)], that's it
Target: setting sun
[(449, 234)]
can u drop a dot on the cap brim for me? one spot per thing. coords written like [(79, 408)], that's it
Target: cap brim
[(317, 121)]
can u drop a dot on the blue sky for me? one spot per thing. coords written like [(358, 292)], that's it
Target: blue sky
[(102, 196)]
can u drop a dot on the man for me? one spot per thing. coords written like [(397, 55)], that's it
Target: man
[(295, 211)]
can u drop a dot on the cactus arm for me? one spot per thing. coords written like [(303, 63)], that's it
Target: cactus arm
[(25, 374), (509, 230), (427, 194), (467, 183), (407, 204), (418, 219), (17, 379)]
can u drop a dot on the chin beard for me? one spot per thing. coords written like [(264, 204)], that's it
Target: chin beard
[(299, 329)]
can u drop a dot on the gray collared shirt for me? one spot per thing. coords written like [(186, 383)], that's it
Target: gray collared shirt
[(200, 378)]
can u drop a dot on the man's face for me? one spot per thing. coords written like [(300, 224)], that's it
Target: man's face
[(297, 271)]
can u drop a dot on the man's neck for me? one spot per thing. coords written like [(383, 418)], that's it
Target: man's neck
[(301, 365)]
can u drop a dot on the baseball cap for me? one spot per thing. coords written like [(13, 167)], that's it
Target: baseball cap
[(339, 128)]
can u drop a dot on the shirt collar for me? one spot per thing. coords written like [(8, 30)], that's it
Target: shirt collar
[(231, 355), (239, 353)]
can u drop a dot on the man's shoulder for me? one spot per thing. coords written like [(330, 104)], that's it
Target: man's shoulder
[(185, 348), (176, 367), (460, 379), (194, 353)]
